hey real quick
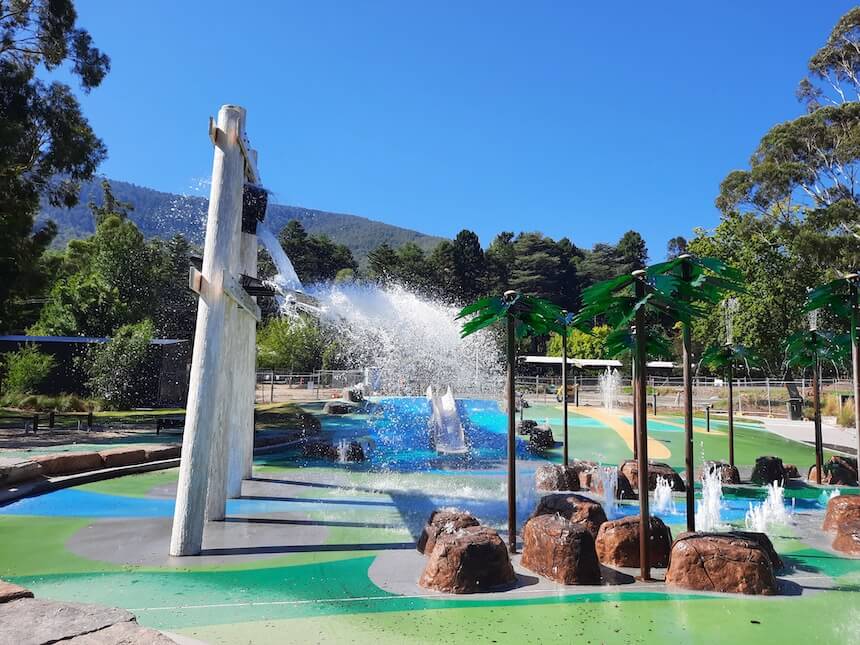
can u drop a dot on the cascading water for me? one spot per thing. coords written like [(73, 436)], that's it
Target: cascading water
[(708, 508), (286, 278), (609, 383), (663, 504), (771, 512)]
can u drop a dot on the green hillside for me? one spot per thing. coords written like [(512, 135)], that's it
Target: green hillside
[(159, 214)]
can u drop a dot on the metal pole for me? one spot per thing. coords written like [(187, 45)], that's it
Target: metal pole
[(688, 412), (707, 418), (816, 419), (566, 454), (272, 387), (512, 441), (641, 413), (731, 416), (635, 416)]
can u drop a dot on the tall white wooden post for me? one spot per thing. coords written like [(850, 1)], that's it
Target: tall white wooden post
[(207, 370)]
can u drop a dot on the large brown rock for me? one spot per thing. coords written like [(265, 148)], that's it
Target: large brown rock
[(841, 511), (67, 463), (443, 520), (764, 542), (838, 471), (10, 592), (791, 471), (576, 508), (19, 471), (728, 474), (467, 561), (541, 438), (848, 538), (630, 470), (115, 457), (618, 542), (159, 453), (339, 407), (556, 477), (720, 562), (560, 550), (768, 470), (319, 450)]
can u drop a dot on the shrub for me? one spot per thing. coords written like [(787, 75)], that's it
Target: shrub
[(26, 369), (830, 406), (45, 403), (846, 415), (116, 369)]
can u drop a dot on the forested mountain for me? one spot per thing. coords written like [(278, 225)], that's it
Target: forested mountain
[(159, 214)]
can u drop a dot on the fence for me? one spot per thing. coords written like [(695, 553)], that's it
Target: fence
[(280, 385), (769, 397)]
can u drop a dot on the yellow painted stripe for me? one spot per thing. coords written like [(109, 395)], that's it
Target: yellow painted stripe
[(656, 449), (695, 427)]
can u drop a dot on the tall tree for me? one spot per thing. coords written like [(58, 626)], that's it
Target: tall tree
[(46, 145)]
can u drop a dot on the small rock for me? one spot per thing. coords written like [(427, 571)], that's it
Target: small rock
[(791, 471), (470, 560), (560, 550), (630, 470), (525, 426), (728, 474)]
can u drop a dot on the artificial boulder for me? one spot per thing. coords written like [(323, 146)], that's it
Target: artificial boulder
[(842, 510), (560, 550), (441, 521), (470, 560), (541, 438), (618, 542), (159, 453), (339, 407), (720, 562), (764, 542), (10, 592), (728, 474), (589, 479), (525, 426), (630, 470), (576, 508), (14, 472), (355, 452), (68, 463), (319, 450), (768, 470), (838, 471), (556, 477), (848, 538), (791, 471)]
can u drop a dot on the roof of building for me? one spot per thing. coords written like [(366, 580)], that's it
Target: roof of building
[(79, 339)]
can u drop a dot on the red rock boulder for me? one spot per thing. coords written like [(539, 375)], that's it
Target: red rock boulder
[(728, 474), (838, 471), (441, 521), (618, 542), (791, 471), (67, 463), (576, 508), (842, 510), (470, 560), (159, 453), (630, 470), (589, 480), (768, 470), (848, 538), (764, 542), (115, 457), (560, 550), (720, 562)]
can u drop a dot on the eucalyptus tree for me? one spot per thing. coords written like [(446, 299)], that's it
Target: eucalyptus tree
[(523, 316), (808, 348), (842, 298)]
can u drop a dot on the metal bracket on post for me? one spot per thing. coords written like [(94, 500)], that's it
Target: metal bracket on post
[(233, 288)]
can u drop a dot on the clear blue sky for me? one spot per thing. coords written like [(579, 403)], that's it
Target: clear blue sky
[(579, 119)]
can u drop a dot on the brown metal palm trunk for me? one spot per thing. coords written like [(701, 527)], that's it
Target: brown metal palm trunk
[(512, 435), (640, 415)]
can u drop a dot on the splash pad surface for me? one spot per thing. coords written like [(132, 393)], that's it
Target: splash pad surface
[(302, 556)]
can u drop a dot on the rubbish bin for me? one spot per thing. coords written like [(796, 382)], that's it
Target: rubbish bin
[(795, 409)]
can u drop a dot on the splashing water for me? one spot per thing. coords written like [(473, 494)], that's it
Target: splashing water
[(662, 502), (708, 508), (342, 451), (826, 496), (771, 512), (610, 383), (286, 278), (608, 478)]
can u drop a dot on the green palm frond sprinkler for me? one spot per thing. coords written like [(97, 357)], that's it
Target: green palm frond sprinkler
[(723, 358), (523, 316), (842, 298), (808, 348), (701, 283)]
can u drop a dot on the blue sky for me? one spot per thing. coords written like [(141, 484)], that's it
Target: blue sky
[(576, 119)]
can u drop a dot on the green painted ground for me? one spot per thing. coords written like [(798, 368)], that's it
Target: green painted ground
[(326, 596)]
